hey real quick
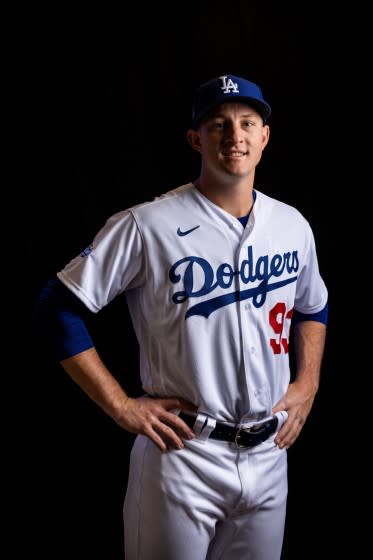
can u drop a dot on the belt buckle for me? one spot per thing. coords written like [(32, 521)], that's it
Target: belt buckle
[(256, 430)]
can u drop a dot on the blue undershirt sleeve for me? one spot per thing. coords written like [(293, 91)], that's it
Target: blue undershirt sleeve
[(59, 316), (320, 316)]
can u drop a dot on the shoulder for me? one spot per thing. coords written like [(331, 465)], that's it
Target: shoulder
[(131, 221), (270, 204), (279, 213), (174, 197), (175, 200), (160, 204)]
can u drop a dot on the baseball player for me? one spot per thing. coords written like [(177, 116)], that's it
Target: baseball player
[(215, 273)]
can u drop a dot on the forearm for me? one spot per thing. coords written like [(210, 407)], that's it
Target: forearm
[(309, 341), (60, 317), (147, 416), (91, 374)]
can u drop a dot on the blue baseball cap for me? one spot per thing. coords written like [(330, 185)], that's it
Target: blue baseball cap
[(227, 88)]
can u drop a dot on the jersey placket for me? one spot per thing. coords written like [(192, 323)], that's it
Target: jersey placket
[(248, 329)]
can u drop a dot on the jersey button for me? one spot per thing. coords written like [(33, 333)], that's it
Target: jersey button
[(248, 306), (252, 349)]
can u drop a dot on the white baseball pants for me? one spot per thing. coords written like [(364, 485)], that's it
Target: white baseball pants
[(208, 501)]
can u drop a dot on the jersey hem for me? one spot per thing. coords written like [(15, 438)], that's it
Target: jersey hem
[(77, 291)]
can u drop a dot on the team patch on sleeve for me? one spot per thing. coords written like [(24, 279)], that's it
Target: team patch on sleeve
[(87, 251)]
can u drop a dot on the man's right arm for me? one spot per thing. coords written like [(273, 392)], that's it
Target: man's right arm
[(59, 315), (143, 415)]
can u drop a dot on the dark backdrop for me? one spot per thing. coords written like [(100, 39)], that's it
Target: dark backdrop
[(98, 109)]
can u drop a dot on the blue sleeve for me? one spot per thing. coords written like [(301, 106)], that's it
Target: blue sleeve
[(59, 317), (320, 316)]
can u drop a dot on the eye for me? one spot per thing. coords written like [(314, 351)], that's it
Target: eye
[(248, 124)]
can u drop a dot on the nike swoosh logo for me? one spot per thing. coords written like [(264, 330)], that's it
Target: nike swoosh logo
[(186, 232)]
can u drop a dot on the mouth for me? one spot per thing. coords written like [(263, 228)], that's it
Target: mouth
[(235, 154)]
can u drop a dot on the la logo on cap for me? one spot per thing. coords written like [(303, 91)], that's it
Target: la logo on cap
[(228, 85)]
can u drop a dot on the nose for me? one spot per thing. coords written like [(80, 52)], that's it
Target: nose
[(233, 133)]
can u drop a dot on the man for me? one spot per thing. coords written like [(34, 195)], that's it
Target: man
[(214, 273)]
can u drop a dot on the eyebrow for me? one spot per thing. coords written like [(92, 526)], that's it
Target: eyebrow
[(220, 114)]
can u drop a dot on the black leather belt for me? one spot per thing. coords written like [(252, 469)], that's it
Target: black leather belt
[(242, 437)]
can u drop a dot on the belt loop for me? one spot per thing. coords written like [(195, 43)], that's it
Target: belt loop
[(207, 428), (281, 416), (199, 423), (203, 426)]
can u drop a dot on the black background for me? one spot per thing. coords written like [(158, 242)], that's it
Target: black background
[(99, 104)]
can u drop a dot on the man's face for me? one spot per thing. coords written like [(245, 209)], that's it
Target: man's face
[(232, 138)]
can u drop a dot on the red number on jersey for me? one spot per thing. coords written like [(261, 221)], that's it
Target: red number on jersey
[(277, 317)]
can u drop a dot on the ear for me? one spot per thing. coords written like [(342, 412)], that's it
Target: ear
[(194, 139), (266, 131)]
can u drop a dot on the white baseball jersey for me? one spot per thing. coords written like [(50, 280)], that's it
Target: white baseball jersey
[(211, 302)]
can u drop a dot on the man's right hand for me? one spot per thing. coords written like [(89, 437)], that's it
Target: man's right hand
[(153, 417)]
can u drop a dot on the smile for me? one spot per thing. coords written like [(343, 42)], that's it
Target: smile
[(234, 154)]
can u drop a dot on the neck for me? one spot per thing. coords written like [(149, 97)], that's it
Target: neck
[(235, 198)]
